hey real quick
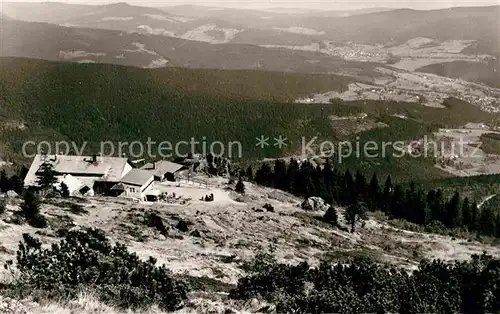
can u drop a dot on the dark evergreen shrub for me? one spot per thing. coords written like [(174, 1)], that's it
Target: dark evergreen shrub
[(87, 260)]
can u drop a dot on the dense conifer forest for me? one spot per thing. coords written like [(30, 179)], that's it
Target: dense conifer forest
[(426, 207)]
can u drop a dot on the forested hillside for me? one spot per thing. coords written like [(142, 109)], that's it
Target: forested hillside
[(487, 73), (102, 102), (43, 100)]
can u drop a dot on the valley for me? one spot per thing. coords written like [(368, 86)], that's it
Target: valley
[(426, 89), (364, 178)]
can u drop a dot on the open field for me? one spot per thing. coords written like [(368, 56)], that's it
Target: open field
[(413, 54), (428, 89), (461, 152)]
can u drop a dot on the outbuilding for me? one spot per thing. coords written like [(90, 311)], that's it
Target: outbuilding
[(164, 170), (136, 183)]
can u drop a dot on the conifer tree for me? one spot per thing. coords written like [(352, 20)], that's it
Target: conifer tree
[(3, 205), (497, 224), (64, 190), (328, 176), (436, 206), (453, 217), (416, 209), (264, 175), (30, 209), (305, 183), (410, 204), (17, 185), (397, 202), (360, 190), (348, 189), (280, 172), (291, 175), (240, 186), (48, 177), (487, 221), (4, 181), (466, 213), (474, 221), (249, 173), (387, 195), (23, 172), (355, 213), (374, 193), (309, 187)]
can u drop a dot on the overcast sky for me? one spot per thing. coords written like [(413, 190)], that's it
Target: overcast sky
[(314, 4)]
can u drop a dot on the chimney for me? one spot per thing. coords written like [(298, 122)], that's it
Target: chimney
[(94, 159), (57, 154), (154, 165)]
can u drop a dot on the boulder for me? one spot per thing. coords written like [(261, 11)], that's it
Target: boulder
[(314, 204), (12, 194)]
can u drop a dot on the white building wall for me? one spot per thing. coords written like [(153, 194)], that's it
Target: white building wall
[(138, 191)]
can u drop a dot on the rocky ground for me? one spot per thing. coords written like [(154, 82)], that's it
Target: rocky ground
[(213, 239)]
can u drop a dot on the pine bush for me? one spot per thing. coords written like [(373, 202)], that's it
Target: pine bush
[(87, 260), (367, 287)]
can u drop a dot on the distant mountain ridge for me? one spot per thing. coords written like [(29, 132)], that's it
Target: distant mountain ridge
[(254, 27), (398, 26), (4, 17), (84, 45)]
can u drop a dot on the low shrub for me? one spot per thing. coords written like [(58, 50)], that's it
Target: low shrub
[(364, 286), (183, 225), (155, 221), (30, 209), (3, 205), (87, 260), (269, 207), (331, 216), (78, 209)]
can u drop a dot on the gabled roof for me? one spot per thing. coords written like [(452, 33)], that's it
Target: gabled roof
[(162, 167), (105, 169), (118, 187), (137, 177), (79, 165)]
